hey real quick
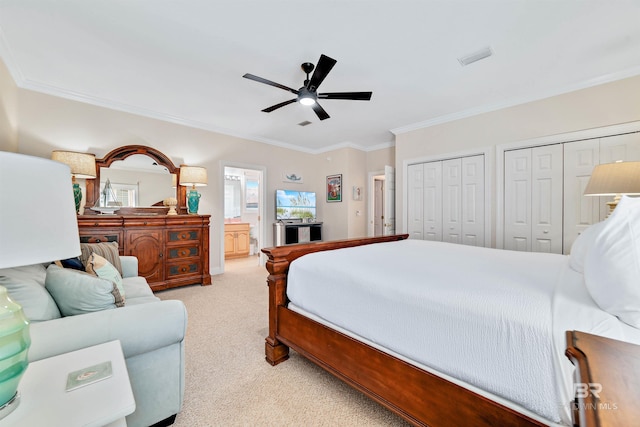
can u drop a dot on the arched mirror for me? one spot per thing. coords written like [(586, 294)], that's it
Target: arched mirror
[(141, 177)]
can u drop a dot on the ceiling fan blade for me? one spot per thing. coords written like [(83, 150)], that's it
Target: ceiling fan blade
[(355, 96), (282, 104), (269, 82), (322, 115), (325, 64)]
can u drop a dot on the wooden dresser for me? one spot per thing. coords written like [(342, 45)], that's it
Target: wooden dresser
[(171, 250)]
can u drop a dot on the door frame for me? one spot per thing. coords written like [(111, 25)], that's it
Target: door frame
[(372, 202), (262, 232)]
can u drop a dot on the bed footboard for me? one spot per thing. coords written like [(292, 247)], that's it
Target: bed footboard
[(279, 259)]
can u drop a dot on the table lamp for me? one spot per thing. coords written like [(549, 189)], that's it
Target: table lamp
[(37, 225), (194, 176), (614, 179), (83, 165)]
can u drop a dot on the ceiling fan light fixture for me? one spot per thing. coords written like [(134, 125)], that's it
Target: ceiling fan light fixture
[(307, 100)]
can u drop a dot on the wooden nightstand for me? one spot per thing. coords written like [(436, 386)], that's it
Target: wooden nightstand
[(607, 380)]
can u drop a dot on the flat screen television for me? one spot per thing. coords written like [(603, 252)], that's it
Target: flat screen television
[(291, 204)]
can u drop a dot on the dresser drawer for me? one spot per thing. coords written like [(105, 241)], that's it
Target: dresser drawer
[(180, 252), (183, 236), (182, 269)]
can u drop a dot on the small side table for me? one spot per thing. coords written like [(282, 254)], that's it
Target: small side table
[(607, 380), (45, 402)]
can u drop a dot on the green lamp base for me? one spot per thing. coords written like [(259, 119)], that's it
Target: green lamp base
[(10, 406)]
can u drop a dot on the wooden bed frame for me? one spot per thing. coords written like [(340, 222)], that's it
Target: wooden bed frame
[(416, 395)]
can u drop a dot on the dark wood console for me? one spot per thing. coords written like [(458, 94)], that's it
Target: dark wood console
[(171, 250)]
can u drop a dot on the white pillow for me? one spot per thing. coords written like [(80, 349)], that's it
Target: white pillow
[(581, 246), (612, 264)]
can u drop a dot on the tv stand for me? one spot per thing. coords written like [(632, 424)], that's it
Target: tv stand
[(290, 233)]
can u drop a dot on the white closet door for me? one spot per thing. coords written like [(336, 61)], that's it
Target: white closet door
[(451, 200), (546, 198), (415, 202), (580, 157), (433, 201), (473, 200), (517, 200)]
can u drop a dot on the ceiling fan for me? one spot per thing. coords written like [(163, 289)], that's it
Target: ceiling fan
[(307, 94)]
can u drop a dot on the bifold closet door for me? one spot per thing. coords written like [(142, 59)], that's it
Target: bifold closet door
[(533, 199), (473, 200), (415, 201), (433, 201), (452, 201)]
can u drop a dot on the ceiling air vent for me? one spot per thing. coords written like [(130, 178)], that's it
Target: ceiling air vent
[(475, 56), (305, 123)]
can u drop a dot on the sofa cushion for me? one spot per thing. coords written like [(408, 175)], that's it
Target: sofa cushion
[(26, 287), (76, 292), (99, 266), (74, 263), (107, 250)]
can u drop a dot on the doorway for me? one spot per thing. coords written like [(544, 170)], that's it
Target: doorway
[(243, 231), (381, 208)]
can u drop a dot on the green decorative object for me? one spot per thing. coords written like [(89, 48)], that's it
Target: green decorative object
[(77, 195), (193, 200), (14, 347)]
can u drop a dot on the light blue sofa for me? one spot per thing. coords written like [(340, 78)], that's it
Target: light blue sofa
[(151, 332)]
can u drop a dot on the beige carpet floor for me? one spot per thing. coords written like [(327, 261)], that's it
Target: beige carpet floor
[(228, 382)]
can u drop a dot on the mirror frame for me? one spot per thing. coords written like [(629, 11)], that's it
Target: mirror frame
[(121, 153)]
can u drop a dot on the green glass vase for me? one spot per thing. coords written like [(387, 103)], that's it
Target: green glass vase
[(14, 346)]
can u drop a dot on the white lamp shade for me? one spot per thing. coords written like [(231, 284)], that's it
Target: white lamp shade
[(193, 176), (38, 221), (83, 165), (610, 179)]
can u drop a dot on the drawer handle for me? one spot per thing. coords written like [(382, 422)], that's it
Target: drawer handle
[(161, 255), (184, 236), (95, 224), (184, 269), (145, 223), (184, 253), (98, 240)]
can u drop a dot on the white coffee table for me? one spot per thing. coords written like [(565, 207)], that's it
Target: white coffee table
[(44, 401)]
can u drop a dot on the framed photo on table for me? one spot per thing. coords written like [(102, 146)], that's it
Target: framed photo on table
[(334, 188)]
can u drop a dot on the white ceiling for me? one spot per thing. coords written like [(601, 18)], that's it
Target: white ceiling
[(183, 61)]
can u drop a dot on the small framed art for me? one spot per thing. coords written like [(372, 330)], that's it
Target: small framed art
[(334, 188)]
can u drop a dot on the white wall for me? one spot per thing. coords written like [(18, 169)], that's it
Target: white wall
[(604, 105)]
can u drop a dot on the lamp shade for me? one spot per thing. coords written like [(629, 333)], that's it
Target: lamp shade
[(83, 165), (37, 220), (193, 176), (610, 179)]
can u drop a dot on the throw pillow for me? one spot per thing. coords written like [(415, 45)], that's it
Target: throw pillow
[(76, 292), (612, 265), (74, 263), (25, 286), (107, 250), (582, 244), (100, 267)]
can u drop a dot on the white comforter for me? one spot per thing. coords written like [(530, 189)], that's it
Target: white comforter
[(492, 319)]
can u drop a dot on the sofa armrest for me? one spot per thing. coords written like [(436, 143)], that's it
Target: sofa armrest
[(140, 328), (129, 265)]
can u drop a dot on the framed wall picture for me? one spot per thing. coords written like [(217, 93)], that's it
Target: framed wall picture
[(334, 188)]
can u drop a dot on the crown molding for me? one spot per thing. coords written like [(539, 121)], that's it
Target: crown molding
[(608, 78)]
